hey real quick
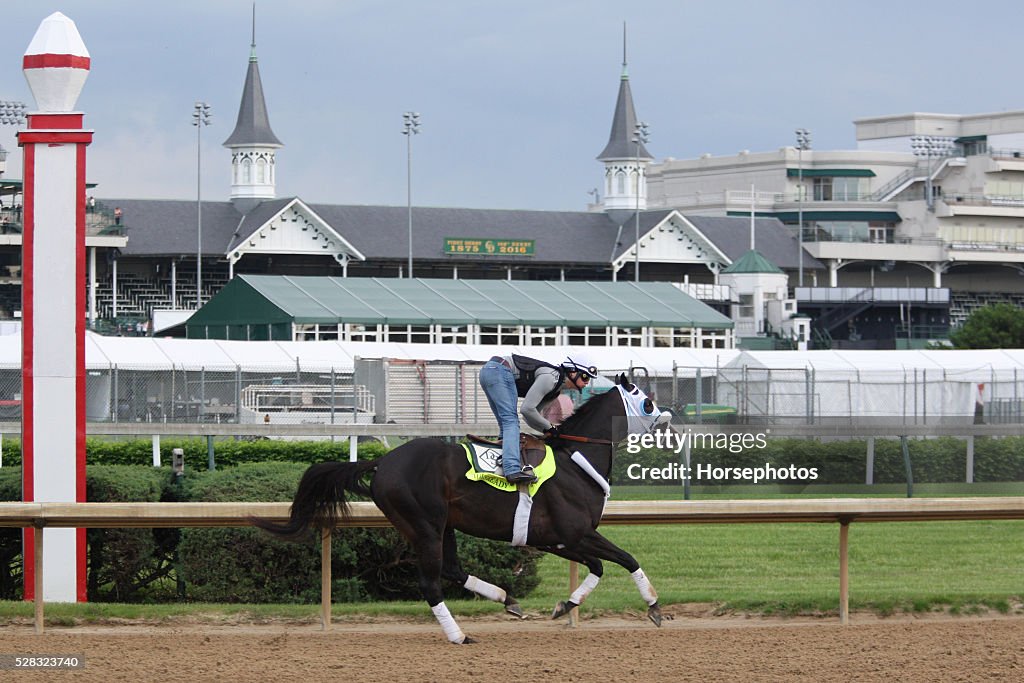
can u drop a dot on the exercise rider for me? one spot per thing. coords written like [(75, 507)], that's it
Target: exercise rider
[(505, 379)]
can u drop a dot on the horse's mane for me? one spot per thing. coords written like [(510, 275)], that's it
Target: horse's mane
[(586, 408)]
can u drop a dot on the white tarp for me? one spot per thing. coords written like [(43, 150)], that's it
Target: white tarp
[(906, 385)]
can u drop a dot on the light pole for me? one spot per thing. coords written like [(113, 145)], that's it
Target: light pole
[(200, 118), (11, 114), (410, 128), (803, 142), (641, 136), (930, 147)]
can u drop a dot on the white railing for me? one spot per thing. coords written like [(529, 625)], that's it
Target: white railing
[(306, 398)]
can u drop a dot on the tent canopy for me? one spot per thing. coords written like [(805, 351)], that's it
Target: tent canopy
[(275, 299)]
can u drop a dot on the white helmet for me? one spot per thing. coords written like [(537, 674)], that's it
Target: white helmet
[(580, 362)]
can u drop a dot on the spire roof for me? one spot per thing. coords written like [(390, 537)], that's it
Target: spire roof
[(253, 125), (752, 262), (620, 142)]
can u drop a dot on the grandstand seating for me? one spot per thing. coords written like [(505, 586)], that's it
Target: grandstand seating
[(962, 304)]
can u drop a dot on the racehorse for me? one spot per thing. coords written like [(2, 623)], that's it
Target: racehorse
[(421, 487)]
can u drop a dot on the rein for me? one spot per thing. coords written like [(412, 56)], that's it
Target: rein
[(585, 439)]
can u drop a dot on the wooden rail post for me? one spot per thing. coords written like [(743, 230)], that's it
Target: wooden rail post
[(38, 578), (844, 572), (574, 583), (325, 580)]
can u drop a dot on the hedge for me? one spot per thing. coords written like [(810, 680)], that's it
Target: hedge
[(227, 452), (844, 461), (243, 564), (366, 564)]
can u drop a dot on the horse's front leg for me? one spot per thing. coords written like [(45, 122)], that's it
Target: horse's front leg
[(452, 570), (597, 545), (586, 586)]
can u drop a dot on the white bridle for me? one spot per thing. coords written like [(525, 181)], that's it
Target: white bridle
[(638, 421)]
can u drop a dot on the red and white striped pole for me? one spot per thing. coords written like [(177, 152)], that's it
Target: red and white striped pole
[(56, 65)]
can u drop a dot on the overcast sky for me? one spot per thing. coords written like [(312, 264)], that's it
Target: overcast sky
[(516, 98)]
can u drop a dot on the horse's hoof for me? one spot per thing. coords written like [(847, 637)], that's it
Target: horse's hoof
[(563, 608), (513, 608), (467, 641), (654, 614)]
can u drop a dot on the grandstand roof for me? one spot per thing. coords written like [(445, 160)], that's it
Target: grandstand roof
[(277, 299)]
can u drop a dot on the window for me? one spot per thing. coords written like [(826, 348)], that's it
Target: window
[(973, 147), (359, 332), (620, 182), (452, 334), (839, 189), (746, 306), (511, 335), (587, 336), (879, 234), (541, 336), (628, 336), (822, 189)]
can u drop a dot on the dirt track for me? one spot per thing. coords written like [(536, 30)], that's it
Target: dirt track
[(686, 648)]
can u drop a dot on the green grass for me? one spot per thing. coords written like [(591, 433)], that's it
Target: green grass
[(790, 568), (759, 568)]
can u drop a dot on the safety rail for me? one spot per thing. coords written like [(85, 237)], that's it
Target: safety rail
[(275, 398), (843, 511)]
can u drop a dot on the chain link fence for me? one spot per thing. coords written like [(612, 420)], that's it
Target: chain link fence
[(386, 391)]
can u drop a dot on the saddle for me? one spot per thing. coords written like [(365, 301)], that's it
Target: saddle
[(532, 449)]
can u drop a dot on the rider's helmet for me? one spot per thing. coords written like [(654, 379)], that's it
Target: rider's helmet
[(580, 362)]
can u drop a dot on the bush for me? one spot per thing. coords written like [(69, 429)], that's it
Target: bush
[(366, 564), (123, 563), (11, 567), (227, 452), (844, 461), (127, 564)]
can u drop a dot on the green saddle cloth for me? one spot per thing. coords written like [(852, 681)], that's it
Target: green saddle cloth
[(483, 462)]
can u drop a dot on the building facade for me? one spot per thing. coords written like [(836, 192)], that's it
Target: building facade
[(925, 200)]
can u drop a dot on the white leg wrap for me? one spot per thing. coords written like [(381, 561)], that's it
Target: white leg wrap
[(581, 593), (485, 590), (451, 629), (521, 522), (644, 586)]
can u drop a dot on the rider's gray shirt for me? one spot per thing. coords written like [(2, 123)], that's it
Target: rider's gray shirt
[(545, 379)]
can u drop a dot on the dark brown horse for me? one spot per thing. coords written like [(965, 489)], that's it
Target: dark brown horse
[(422, 488)]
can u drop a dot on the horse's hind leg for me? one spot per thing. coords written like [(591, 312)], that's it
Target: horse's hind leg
[(452, 570), (427, 547), (426, 540), (586, 586), (596, 544)]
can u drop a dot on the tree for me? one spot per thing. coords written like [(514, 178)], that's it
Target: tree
[(996, 326)]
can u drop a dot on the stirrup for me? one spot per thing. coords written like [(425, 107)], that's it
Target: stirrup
[(523, 476)]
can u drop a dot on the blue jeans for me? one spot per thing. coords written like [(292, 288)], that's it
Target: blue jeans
[(500, 389)]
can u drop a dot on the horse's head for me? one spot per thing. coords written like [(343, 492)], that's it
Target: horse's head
[(642, 415), (616, 414)]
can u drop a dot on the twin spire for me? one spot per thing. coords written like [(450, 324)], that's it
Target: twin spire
[(253, 145), (253, 142), (625, 161)]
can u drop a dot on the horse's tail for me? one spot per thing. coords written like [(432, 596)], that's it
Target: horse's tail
[(320, 501)]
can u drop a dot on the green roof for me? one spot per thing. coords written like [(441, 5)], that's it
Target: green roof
[(752, 262), (830, 172), (273, 299), (813, 215)]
